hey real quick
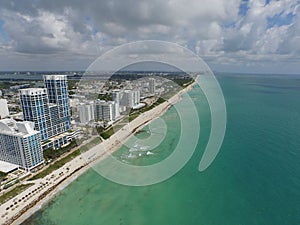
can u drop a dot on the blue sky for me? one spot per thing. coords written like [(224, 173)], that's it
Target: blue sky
[(4, 36), (230, 35)]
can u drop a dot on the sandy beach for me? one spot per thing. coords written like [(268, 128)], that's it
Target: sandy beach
[(22, 206)]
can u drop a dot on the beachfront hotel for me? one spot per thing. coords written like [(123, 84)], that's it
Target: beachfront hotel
[(48, 108), (86, 112), (127, 98), (20, 144), (57, 89), (35, 108), (107, 111)]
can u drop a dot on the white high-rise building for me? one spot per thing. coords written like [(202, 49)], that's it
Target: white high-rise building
[(47, 107), (20, 144), (86, 112), (57, 89), (3, 108), (152, 85), (36, 108), (129, 98), (106, 110), (116, 96)]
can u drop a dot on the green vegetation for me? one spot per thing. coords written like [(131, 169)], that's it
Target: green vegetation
[(90, 144), (2, 175), (7, 85), (53, 154), (106, 134), (133, 116), (72, 84), (56, 165), (71, 92), (183, 82), (99, 130), (135, 113), (14, 192), (106, 97)]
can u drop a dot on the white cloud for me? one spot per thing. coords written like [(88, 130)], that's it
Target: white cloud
[(214, 29)]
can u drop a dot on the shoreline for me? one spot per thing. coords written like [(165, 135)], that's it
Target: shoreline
[(45, 189)]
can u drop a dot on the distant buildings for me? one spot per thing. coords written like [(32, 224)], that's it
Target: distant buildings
[(20, 144), (3, 108), (116, 96), (152, 85), (17, 87), (127, 98)]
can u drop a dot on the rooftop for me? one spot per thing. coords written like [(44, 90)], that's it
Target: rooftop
[(33, 91), (7, 167), (55, 77), (10, 126)]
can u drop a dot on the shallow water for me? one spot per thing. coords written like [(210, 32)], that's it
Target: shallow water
[(255, 178)]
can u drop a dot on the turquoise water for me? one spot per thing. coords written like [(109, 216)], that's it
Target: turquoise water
[(255, 178)]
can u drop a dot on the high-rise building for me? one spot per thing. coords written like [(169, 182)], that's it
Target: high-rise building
[(116, 99), (35, 108), (47, 107), (20, 144), (57, 89), (152, 85), (129, 98), (106, 110), (116, 96), (3, 108), (86, 112)]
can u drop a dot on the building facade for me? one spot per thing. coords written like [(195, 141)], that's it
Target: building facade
[(57, 89), (47, 107), (152, 85), (129, 98), (35, 108), (86, 112), (20, 144), (107, 111)]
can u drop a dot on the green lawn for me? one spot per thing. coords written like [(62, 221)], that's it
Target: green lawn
[(53, 154), (108, 133)]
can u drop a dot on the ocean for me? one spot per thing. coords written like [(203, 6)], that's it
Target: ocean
[(255, 179)]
